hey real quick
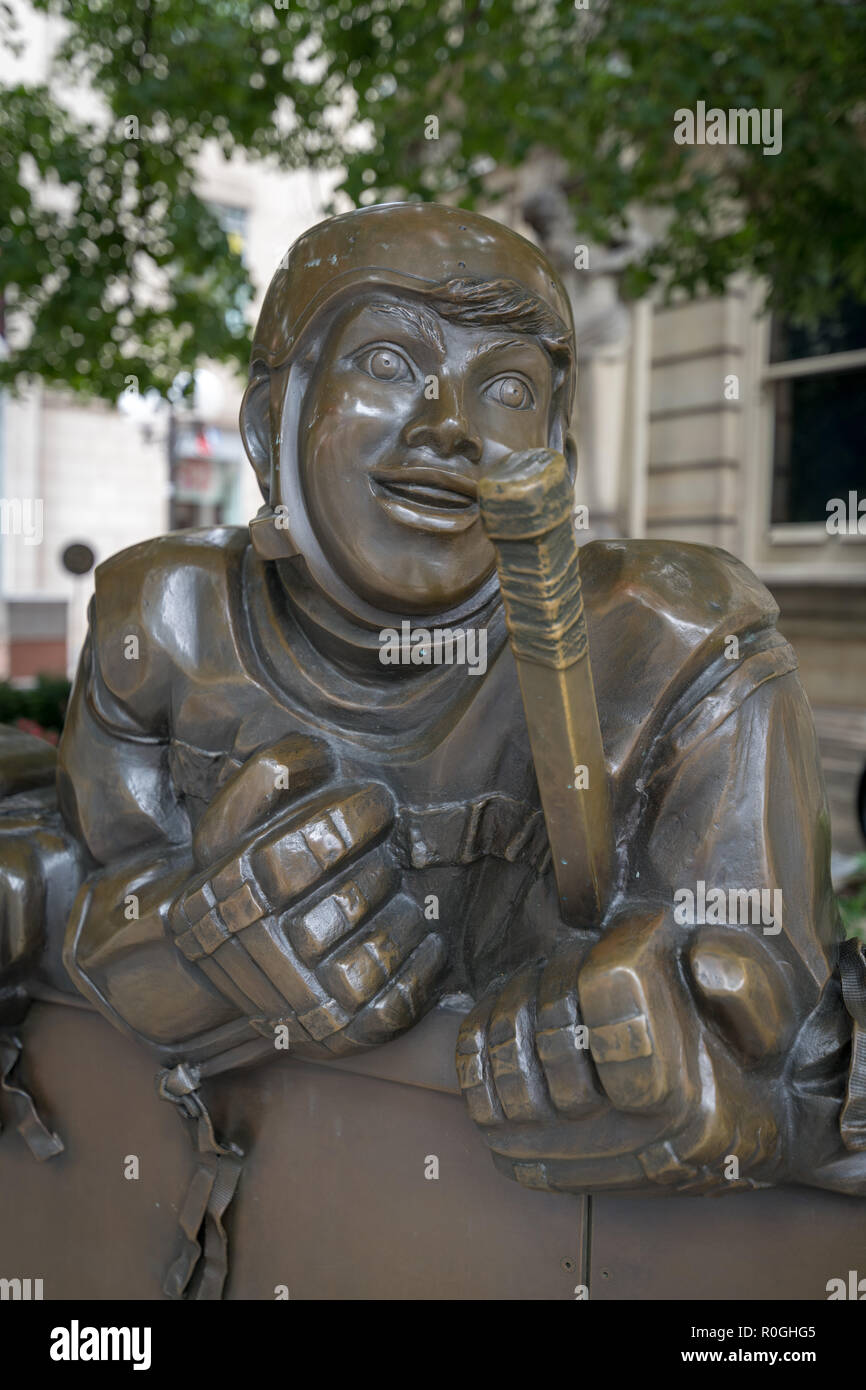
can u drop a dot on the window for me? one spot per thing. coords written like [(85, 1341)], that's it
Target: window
[(817, 381), (205, 462)]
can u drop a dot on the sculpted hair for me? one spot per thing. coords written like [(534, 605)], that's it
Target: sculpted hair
[(501, 302), (496, 302)]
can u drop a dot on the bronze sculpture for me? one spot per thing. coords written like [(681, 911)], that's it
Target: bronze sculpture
[(267, 835)]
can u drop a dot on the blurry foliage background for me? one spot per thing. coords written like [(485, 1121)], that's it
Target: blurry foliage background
[(40, 709), (123, 270), (852, 902)]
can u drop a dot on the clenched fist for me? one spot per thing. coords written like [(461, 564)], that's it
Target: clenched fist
[(296, 913), (631, 1062)]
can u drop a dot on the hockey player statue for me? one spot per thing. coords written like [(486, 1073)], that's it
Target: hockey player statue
[(261, 822)]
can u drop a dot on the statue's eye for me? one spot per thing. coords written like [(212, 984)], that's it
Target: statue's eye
[(512, 391), (385, 364)]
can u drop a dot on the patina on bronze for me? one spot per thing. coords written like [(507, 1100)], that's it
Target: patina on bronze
[(263, 831)]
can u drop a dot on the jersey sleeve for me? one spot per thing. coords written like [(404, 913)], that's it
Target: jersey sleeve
[(735, 800), (115, 788)]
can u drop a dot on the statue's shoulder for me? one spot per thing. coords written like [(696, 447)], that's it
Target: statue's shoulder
[(666, 621), (177, 595), (207, 548), (180, 563), (688, 594)]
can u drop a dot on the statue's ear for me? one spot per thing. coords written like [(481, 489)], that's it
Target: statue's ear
[(570, 451), (564, 442), (255, 423)]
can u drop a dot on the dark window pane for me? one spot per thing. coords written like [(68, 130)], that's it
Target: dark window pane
[(186, 514), (183, 514), (845, 331), (819, 445)]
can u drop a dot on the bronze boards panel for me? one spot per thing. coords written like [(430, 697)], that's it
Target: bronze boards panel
[(333, 1201), (784, 1243)]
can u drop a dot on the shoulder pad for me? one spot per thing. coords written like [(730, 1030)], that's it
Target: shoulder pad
[(675, 583), (162, 605), (658, 616)]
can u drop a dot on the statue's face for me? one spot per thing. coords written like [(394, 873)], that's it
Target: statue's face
[(403, 412)]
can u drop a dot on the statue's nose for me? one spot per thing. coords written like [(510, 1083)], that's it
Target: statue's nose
[(445, 430), (446, 438)]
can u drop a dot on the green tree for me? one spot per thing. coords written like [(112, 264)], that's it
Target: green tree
[(106, 250)]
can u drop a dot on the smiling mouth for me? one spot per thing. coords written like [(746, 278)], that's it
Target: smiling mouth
[(427, 499)]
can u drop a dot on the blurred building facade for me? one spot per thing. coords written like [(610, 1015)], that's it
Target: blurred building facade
[(108, 477)]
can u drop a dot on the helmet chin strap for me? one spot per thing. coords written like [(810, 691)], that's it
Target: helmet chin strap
[(285, 532)]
